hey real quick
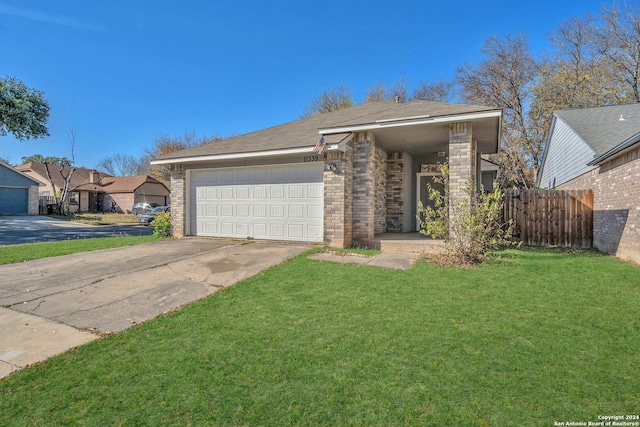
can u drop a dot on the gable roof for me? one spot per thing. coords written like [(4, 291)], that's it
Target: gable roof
[(601, 127), (335, 126), (122, 184), (80, 175), (16, 177)]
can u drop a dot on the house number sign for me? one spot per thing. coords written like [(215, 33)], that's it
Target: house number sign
[(430, 168)]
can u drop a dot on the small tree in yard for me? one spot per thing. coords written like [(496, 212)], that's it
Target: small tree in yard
[(471, 227), (162, 225)]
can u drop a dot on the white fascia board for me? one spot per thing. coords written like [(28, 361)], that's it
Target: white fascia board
[(248, 155), (410, 122)]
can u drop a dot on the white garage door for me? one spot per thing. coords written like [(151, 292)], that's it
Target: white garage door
[(276, 202)]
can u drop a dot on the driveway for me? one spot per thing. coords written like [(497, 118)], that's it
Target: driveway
[(30, 229), (50, 305)]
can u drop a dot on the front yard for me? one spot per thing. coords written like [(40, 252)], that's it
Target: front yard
[(528, 338)]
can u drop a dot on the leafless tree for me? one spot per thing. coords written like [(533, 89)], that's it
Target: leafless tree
[(120, 165), (334, 99), (62, 194), (166, 144), (503, 79), (439, 90), (396, 92)]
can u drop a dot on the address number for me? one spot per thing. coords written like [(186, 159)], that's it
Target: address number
[(311, 158)]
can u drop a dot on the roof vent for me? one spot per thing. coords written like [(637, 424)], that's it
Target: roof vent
[(621, 119), (397, 99)]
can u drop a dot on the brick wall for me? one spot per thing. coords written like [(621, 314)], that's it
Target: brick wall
[(395, 192), (34, 200), (616, 204), (178, 189), (462, 165), (380, 187), (338, 210), (363, 188), (124, 202)]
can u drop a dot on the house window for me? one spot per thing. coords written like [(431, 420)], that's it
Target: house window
[(45, 194), (487, 180), (74, 198)]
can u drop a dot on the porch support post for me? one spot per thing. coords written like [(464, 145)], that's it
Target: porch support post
[(363, 188), (337, 197), (462, 163)]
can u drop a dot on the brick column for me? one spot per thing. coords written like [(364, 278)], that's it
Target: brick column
[(363, 188), (178, 189), (338, 198), (462, 162)]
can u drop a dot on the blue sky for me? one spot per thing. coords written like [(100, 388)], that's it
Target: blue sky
[(121, 72)]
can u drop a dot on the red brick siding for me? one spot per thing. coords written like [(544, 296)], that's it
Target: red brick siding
[(616, 204)]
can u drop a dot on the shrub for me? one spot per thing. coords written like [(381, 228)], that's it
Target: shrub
[(472, 226), (162, 225)]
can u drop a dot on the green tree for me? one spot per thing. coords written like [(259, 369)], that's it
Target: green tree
[(51, 160), (23, 111)]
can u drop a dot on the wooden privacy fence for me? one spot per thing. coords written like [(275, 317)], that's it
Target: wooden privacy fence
[(551, 217)]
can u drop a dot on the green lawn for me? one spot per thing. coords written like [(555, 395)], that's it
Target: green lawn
[(528, 338), (30, 251)]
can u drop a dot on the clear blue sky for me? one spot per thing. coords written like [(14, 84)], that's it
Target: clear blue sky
[(121, 72)]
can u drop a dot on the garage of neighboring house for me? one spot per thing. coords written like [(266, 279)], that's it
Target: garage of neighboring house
[(18, 192), (283, 202)]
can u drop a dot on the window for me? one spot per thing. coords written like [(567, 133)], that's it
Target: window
[(45, 194), (74, 198)]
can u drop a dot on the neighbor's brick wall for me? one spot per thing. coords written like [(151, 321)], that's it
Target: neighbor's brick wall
[(338, 210), (363, 188), (395, 192), (616, 200), (380, 185), (124, 202), (178, 189)]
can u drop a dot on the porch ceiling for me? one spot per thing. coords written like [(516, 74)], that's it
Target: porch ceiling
[(431, 137)]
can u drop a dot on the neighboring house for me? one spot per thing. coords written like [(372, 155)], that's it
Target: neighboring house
[(339, 178), (93, 191), (18, 192), (599, 149)]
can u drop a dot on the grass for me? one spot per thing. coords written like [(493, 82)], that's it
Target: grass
[(528, 338), (31, 251), (99, 219)]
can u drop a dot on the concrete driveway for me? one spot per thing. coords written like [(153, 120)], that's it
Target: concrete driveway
[(30, 229), (50, 305)]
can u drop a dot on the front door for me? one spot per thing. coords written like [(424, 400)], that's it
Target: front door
[(423, 184)]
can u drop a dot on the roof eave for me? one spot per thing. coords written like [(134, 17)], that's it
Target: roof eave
[(248, 155), (412, 121), (618, 149)]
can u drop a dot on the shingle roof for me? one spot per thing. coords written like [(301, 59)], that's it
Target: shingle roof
[(601, 127), (305, 132), (80, 175), (125, 184)]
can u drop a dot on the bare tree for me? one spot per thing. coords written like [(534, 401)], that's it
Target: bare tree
[(166, 144), (439, 90), (618, 40), (397, 92), (66, 172), (120, 165), (334, 99), (503, 79)]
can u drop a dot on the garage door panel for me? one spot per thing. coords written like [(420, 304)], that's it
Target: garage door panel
[(280, 202)]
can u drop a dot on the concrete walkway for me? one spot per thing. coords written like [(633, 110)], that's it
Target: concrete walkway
[(50, 305)]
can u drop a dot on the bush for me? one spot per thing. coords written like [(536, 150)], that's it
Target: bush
[(162, 225), (471, 227)]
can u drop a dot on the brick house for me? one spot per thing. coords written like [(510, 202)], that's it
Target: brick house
[(337, 178), (94, 191), (599, 149)]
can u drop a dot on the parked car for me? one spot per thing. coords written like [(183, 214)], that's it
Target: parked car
[(146, 218), (143, 207)]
